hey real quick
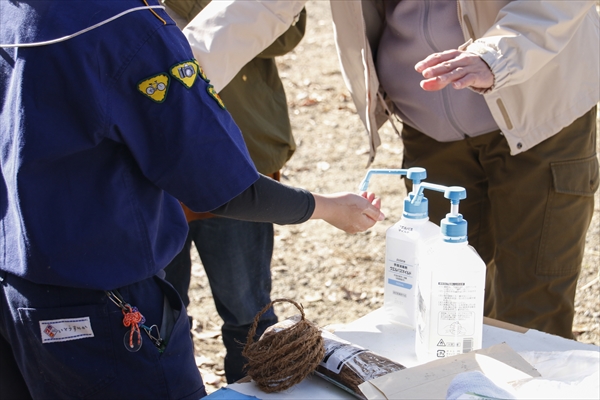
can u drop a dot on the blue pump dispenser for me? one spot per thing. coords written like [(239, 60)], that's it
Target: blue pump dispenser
[(416, 175), (453, 227), (405, 241)]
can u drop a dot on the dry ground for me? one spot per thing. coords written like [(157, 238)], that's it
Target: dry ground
[(339, 277)]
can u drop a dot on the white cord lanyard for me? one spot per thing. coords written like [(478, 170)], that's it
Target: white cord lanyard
[(71, 36)]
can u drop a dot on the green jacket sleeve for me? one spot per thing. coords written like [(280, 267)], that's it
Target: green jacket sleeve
[(185, 8)]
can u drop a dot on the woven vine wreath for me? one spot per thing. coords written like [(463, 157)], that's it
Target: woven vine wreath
[(281, 359)]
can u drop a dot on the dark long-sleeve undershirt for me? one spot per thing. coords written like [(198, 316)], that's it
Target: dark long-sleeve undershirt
[(267, 200)]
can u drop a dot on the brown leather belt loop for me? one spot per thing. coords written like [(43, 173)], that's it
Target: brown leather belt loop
[(275, 175), (194, 216)]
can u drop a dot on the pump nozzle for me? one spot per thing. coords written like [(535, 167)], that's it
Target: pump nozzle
[(365, 182), (454, 227), (416, 174)]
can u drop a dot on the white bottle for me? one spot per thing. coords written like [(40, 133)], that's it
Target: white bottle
[(404, 243), (405, 240), (450, 290)]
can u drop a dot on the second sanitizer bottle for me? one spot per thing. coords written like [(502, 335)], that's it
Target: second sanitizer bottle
[(451, 288)]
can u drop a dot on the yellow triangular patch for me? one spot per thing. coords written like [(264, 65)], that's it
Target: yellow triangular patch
[(155, 87), (185, 72), (201, 72), (213, 93)]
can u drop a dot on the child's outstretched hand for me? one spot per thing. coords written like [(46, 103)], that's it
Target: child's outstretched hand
[(349, 212)]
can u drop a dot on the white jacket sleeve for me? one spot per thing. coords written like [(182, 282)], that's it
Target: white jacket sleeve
[(527, 35), (227, 34)]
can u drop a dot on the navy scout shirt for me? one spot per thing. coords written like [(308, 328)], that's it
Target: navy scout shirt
[(99, 135)]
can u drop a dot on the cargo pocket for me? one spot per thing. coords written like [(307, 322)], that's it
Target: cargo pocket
[(72, 352), (568, 214), (172, 317), (177, 360)]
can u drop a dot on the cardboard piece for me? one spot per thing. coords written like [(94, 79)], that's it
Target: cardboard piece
[(499, 363), (504, 325)]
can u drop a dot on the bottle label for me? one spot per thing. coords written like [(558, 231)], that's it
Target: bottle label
[(400, 281), (455, 308), (400, 264), (401, 274), (450, 314)]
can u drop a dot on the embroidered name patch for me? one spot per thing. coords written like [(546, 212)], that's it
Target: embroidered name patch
[(213, 93), (63, 330), (155, 87), (185, 72)]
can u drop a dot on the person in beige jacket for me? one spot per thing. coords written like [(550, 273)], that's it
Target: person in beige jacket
[(521, 139)]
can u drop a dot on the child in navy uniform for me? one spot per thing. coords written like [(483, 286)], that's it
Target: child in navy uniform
[(100, 108)]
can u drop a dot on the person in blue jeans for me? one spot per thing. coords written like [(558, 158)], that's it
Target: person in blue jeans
[(236, 255)]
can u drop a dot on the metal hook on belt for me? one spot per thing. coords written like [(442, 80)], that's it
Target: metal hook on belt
[(117, 299)]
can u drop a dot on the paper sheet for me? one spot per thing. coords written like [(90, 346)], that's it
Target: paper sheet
[(499, 363), (312, 387), (573, 374)]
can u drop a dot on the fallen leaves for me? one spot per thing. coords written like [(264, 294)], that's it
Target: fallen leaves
[(304, 99)]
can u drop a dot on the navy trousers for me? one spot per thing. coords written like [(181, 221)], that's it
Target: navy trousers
[(68, 343)]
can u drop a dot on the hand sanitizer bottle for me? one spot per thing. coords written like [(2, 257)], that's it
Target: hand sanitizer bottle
[(451, 287), (405, 240)]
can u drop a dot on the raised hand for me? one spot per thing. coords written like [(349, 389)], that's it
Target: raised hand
[(349, 212), (460, 68)]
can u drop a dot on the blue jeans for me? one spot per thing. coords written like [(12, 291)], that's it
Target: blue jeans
[(237, 259)]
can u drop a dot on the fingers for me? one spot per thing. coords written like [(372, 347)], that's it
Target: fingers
[(367, 216), (372, 210), (374, 214), (369, 196), (457, 68), (436, 59), (349, 212), (438, 82), (377, 203)]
